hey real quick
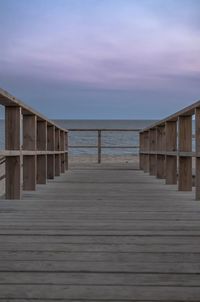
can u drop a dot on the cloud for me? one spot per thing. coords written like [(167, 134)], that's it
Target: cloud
[(108, 45)]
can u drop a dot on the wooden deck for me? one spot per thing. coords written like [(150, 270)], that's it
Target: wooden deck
[(106, 233)]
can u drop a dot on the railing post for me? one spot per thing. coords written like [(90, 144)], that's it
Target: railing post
[(62, 147), (160, 158), (146, 149), (29, 143), (197, 144), (152, 157), (185, 145), (141, 149), (66, 151), (51, 147), (57, 156), (41, 146), (12, 142), (171, 146), (99, 146)]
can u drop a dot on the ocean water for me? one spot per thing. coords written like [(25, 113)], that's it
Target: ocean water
[(109, 138)]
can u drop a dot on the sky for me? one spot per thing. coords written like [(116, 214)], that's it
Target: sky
[(101, 59)]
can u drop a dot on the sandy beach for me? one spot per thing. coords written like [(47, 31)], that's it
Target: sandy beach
[(109, 159)]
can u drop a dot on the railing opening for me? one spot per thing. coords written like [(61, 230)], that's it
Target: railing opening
[(102, 144)]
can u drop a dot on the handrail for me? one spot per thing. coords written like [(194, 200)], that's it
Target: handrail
[(169, 141), (33, 143), (99, 145), (105, 129)]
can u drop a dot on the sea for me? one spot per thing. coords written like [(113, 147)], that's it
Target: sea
[(109, 138)]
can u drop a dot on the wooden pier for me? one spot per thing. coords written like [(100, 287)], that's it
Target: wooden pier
[(106, 233), (101, 232)]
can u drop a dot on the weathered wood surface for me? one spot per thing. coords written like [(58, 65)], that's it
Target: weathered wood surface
[(106, 233)]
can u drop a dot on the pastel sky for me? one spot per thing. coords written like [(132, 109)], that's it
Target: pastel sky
[(106, 59)]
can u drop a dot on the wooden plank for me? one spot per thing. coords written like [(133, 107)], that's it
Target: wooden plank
[(146, 149), (185, 144), (152, 147), (29, 143), (99, 146), (50, 166), (57, 165), (104, 129), (141, 156), (197, 144), (51, 147), (160, 159), (41, 169), (105, 266), (12, 128), (57, 156), (13, 177), (7, 153), (108, 293), (70, 278), (66, 151), (42, 145), (171, 146), (42, 135), (62, 148), (29, 172), (12, 142), (29, 132)]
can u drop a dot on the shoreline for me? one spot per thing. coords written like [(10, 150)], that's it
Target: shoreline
[(105, 158)]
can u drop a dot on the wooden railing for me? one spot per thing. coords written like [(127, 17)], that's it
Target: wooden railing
[(99, 145), (166, 149), (35, 147)]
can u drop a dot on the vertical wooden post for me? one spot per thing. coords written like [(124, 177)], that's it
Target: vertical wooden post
[(152, 157), (50, 147), (62, 147), (57, 156), (29, 143), (141, 149), (197, 143), (171, 146), (160, 159), (41, 146), (12, 142), (185, 162), (99, 146), (146, 149), (66, 151)]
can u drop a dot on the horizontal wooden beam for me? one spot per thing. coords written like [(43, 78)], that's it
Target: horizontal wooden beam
[(104, 147), (173, 153), (7, 153), (104, 130)]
